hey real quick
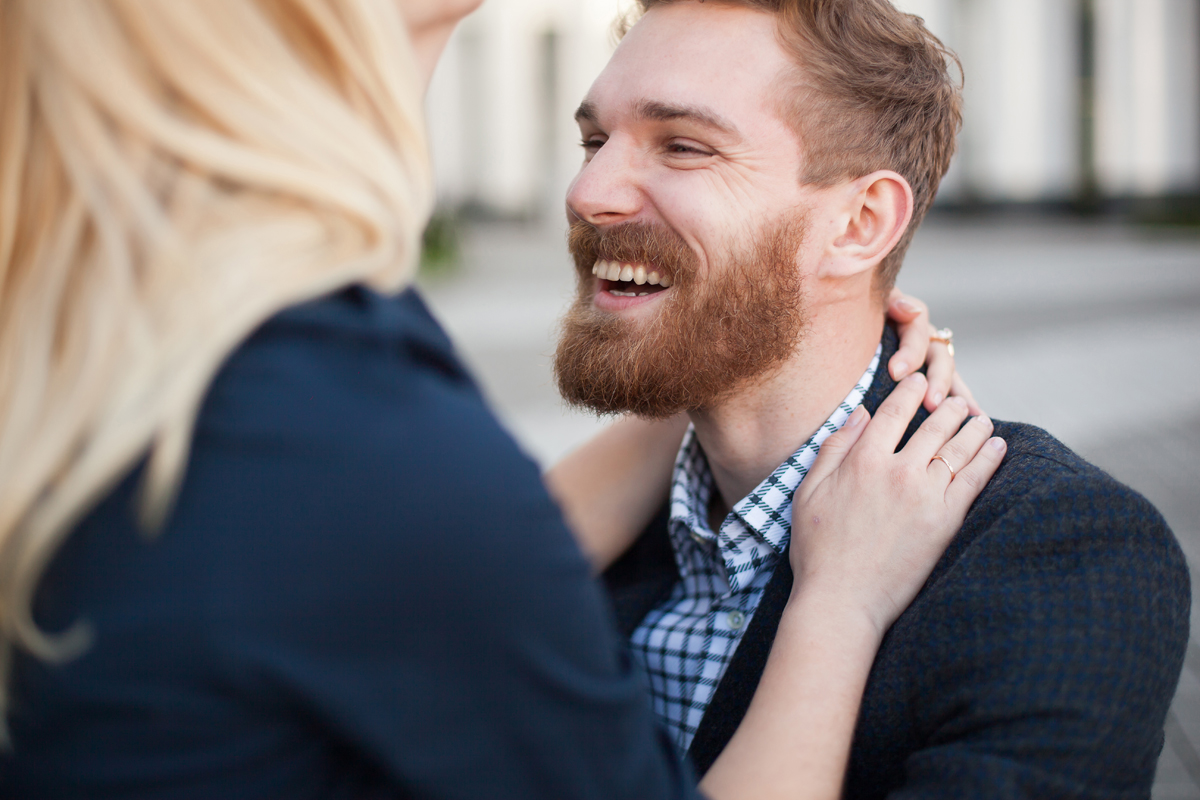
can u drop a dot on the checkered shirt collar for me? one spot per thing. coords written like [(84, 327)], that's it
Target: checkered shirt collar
[(758, 528)]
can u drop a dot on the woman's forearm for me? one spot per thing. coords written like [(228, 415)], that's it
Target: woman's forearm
[(610, 487), (795, 738)]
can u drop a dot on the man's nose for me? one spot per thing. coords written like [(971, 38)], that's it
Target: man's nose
[(607, 189)]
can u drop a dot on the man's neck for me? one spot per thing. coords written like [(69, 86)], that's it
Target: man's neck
[(755, 430)]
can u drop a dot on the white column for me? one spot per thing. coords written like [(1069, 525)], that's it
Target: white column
[(487, 105), (1183, 89), (1020, 132), (447, 125), (508, 109), (1146, 103)]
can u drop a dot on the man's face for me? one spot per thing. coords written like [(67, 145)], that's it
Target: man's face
[(688, 217)]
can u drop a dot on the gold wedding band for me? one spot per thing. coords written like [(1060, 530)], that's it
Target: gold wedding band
[(946, 337), (942, 459)]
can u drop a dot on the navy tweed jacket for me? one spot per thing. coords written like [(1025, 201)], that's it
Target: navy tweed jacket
[(1038, 661)]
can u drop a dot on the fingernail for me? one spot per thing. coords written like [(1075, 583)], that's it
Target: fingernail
[(916, 377), (937, 399), (899, 369), (958, 401), (856, 417), (998, 443), (983, 418), (908, 305)]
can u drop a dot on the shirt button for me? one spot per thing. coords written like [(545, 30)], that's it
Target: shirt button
[(736, 619), (698, 539)]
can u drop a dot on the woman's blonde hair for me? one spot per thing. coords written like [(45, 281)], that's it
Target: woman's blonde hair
[(171, 175)]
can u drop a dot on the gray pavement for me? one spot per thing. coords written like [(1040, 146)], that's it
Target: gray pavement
[(1089, 330)]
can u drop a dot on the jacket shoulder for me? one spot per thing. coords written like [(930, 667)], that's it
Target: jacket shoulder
[(1045, 489), (1044, 650)]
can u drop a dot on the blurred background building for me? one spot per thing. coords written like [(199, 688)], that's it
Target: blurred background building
[(1065, 254), (1075, 101)]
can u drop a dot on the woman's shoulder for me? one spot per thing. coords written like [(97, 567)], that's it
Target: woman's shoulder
[(346, 437), (360, 399), (341, 372)]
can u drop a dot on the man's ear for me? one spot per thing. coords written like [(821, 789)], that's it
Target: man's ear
[(876, 210)]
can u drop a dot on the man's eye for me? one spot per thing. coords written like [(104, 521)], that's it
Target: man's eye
[(683, 149), (591, 145)]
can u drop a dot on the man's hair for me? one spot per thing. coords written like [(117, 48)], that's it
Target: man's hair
[(873, 90)]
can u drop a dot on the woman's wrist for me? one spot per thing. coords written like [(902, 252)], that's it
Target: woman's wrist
[(795, 737), (834, 610)]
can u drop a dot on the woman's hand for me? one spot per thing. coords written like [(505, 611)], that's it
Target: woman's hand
[(917, 346), (868, 523)]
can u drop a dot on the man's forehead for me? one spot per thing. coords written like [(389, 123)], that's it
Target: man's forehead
[(691, 59)]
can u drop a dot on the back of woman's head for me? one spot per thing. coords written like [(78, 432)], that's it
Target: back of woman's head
[(172, 174)]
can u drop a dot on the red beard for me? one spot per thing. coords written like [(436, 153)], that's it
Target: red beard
[(709, 338)]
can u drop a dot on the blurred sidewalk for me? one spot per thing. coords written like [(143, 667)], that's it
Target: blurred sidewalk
[(1089, 330)]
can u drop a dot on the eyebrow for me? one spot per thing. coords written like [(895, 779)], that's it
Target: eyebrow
[(586, 112), (664, 112)]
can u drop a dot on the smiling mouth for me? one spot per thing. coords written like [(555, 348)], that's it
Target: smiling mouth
[(629, 279)]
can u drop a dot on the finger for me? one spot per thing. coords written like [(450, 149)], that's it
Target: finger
[(912, 319), (834, 449), (971, 479), (959, 388), (904, 308), (961, 449), (939, 373), (893, 415), (936, 432)]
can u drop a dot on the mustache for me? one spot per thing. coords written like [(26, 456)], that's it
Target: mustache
[(644, 242)]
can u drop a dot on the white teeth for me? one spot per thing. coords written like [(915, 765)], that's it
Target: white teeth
[(616, 271)]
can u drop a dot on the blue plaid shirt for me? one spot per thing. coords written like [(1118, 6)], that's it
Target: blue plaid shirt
[(686, 643)]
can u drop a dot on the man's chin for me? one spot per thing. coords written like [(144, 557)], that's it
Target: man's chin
[(603, 402), (606, 364)]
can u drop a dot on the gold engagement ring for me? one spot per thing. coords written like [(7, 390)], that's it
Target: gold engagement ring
[(946, 337)]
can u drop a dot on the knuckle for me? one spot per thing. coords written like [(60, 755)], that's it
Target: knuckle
[(971, 479), (906, 394), (956, 453), (936, 423), (834, 444), (890, 411)]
